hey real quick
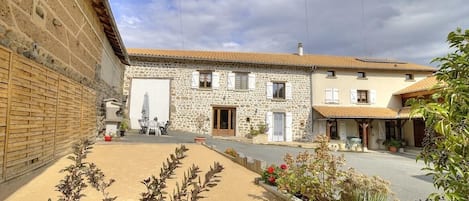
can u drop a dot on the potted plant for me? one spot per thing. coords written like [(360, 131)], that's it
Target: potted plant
[(393, 144), (124, 126)]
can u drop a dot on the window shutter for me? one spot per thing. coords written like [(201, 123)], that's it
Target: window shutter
[(215, 80), (270, 90), (269, 121), (288, 127), (328, 95), (251, 81), (335, 95), (288, 91), (231, 81), (353, 96), (372, 96), (195, 80)]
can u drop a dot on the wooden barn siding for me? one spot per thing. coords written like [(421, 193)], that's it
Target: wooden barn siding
[(41, 114)]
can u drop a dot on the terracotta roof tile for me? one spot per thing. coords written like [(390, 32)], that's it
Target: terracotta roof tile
[(307, 60), (356, 112), (426, 84)]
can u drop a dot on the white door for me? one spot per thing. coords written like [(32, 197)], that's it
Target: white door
[(159, 99), (279, 127)]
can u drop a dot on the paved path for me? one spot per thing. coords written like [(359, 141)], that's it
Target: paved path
[(408, 181)]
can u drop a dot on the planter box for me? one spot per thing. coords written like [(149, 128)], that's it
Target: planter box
[(274, 190), (260, 139)]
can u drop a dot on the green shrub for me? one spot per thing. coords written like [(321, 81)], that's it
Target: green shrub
[(230, 151)]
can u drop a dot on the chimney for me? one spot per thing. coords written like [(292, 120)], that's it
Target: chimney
[(300, 49)]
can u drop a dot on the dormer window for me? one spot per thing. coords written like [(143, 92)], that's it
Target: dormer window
[(409, 76), (361, 75)]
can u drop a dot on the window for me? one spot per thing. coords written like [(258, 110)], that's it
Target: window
[(205, 79), (279, 90), (362, 96), (361, 75), (241, 81), (332, 95), (409, 77), (330, 74)]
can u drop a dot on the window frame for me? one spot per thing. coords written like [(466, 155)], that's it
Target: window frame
[(205, 84), (332, 75), (361, 75), (246, 84), (359, 95), (274, 90), (409, 77)]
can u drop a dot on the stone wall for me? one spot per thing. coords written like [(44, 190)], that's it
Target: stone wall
[(188, 103), (65, 36)]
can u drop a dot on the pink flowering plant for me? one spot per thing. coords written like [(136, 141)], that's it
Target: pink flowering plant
[(272, 173)]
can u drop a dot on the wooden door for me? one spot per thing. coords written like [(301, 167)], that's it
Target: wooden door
[(224, 121), (419, 132)]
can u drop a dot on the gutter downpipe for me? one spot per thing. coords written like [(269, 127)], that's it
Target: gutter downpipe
[(313, 68)]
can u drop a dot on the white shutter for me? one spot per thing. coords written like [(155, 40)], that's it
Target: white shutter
[(335, 95), (269, 90), (353, 96), (329, 97), (215, 80), (372, 96), (288, 127), (252, 81), (195, 80), (231, 81), (269, 121), (288, 91)]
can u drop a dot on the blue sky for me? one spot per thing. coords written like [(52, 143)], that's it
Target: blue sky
[(407, 30)]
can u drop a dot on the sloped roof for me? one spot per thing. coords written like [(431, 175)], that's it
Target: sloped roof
[(307, 60), (356, 112), (103, 10), (426, 84)]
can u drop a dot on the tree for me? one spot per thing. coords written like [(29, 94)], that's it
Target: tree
[(446, 142)]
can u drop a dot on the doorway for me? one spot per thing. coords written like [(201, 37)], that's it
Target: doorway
[(224, 121), (419, 132), (279, 127)]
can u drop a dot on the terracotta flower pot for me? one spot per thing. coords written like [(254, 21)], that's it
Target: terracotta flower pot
[(200, 140), (392, 149), (107, 138)]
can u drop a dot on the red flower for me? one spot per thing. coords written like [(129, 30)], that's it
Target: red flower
[(272, 180), (270, 170), (283, 167)]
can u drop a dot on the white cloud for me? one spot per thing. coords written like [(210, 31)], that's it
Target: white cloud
[(406, 30)]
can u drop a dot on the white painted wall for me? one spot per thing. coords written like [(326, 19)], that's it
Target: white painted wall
[(159, 97)]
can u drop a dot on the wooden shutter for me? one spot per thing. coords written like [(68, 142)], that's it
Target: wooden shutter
[(251, 81), (269, 90), (231, 81), (195, 80), (288, 91), (288, 127), (353, 96), (269, 121), (335, 95), (215, 80), (372, 96), (329, 95)]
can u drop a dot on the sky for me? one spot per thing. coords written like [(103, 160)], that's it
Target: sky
[(406, 30)]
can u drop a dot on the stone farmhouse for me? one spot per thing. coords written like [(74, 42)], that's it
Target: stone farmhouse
[(58, 61), (297, 95)]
